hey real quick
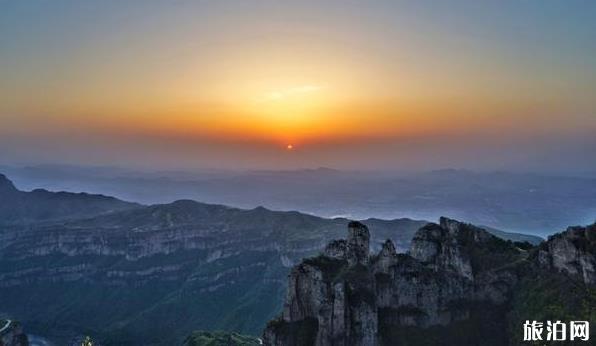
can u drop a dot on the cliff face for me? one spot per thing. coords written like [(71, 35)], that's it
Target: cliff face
[(571, 252), (325, 310), (148, 263), (184, 257), (454, 286)]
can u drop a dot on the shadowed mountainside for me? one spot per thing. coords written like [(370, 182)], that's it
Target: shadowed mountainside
[(42, 205), (186, 264), (457, 285)]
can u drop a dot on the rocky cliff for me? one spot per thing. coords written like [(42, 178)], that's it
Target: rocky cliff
[(149, 263), (455, 285), (218, 267), (571, 252)]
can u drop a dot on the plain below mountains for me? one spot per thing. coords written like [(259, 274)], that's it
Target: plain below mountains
[(129, 274)]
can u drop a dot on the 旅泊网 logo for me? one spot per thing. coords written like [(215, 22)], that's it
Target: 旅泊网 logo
[(556, 331)]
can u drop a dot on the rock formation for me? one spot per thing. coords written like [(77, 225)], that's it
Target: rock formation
[(183, 256), (454, 286), (324, 310), (572, 252)]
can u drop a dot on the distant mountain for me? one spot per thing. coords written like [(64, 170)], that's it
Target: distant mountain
[(42, 205), (517, 237), (174, 267), (513, 202), (457, 285)]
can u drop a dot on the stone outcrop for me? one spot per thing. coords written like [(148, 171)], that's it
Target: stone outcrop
[(358, 243), (325, 309), (571, 252), (336, 249), (454, 276), (440, 246)]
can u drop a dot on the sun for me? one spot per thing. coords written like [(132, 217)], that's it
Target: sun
[(289, 147)]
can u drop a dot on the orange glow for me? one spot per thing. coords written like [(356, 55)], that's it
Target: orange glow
[(311, 92)]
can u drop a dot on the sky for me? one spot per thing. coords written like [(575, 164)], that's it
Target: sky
[(507, 85)]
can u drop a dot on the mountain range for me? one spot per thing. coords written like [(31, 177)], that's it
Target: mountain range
[(76, 264), (39, 205), (534, 203)]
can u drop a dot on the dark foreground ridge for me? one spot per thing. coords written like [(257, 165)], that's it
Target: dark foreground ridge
[(457, 285)]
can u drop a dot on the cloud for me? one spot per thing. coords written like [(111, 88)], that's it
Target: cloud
[(281, 94)]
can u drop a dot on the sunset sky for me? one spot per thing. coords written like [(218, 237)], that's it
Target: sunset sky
[(293, 84)]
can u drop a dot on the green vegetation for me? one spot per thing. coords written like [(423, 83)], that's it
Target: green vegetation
[(87, 342), (492, 253), (524, 245), (485, 323), (220, 338), (359, 283), (331, 267), (300, 333), (551, 296), (237, 300)]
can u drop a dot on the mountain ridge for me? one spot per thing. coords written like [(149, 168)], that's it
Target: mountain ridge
[(457, 285), (184, 258), (40, 205)]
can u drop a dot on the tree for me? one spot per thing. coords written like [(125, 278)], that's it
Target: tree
[(87, 342)]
